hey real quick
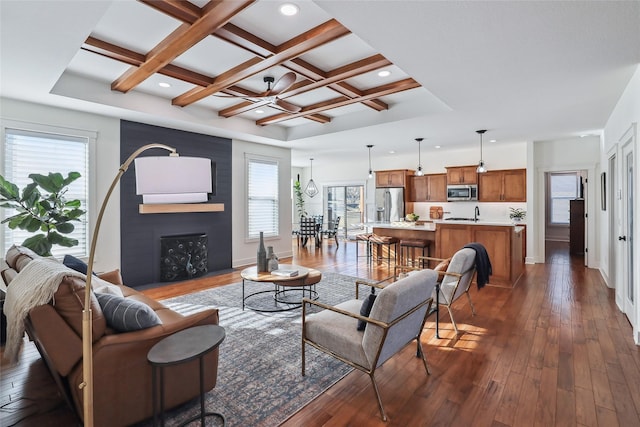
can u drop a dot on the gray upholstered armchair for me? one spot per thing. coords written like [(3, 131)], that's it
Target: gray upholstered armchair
[(455, 281), (397, 317)]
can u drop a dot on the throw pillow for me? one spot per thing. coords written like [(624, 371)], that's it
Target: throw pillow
[(126, 315), (365, 310), (101, 286), (76, 264)]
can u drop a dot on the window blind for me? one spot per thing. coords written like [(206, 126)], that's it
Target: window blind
[(262, 192), (563, 188), (28, 152)]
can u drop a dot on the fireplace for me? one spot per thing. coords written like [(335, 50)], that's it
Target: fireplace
[(183, 256)]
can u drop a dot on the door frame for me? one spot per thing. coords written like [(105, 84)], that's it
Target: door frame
[(591, 257), (627, 144)]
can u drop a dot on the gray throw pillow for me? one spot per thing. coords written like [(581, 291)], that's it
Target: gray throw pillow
[(125, 315)]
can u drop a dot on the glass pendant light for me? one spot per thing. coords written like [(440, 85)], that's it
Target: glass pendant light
[(481, 168), (370, 170), (311, 188), (420, 172)]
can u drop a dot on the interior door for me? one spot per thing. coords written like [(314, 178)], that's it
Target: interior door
[(626, 236)]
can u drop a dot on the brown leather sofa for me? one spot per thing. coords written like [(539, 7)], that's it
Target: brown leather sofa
[(122, 375)]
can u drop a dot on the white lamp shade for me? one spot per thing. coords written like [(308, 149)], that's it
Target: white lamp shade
[(173, 179)]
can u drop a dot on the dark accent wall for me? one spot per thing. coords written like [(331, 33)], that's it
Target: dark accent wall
[(140, 234)]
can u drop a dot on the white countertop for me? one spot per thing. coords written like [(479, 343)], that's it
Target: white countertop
[(432, 224)]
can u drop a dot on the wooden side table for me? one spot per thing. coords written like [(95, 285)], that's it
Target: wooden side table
[(181, 347)]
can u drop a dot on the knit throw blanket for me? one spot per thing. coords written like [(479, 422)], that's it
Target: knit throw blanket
[(33, 286)]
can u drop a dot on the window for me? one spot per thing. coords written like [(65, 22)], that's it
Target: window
[(35, 151), (347, 202), (262, 197), (562, 188)]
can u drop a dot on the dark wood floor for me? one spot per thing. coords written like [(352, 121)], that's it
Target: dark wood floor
[(554, 350)]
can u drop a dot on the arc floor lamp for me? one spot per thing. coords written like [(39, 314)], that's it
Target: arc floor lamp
[(87, 315)]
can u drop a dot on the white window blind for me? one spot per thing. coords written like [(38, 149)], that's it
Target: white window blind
[(27, 152), (563, 188), (262, 192)]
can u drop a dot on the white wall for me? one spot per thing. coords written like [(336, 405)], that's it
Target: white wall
[(107, 161), (244, 250), (625, 113)]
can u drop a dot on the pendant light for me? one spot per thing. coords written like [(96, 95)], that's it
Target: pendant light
[(481, 168), (370, 170), (420, 172), (311, 188)]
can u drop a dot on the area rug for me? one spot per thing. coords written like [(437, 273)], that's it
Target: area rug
[(259, 372)]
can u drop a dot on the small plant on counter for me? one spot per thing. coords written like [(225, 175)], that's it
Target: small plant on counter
[(517, 214)]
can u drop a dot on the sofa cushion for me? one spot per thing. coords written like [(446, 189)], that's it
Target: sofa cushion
[(69, 303), (19, 256), (125, 315)]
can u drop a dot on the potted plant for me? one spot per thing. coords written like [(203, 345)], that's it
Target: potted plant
[(517, 214), (297, 190), (42, 206)]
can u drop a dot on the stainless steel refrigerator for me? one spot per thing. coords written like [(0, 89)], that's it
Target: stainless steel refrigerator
[(389, 204)]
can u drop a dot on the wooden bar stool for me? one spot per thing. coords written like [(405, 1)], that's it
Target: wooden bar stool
[(387, 241), (410, 245)]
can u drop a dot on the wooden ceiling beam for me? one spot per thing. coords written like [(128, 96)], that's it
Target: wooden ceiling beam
[(214, 16), (189, 13), (376, 92), (322, 34)]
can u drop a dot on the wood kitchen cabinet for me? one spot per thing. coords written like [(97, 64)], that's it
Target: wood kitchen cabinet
[(508, 185), (428, 188), (503, 245), (393, 178), (462, 175)]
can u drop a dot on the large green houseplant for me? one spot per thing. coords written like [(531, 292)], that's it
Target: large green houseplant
[(297, 190), (42, 206)]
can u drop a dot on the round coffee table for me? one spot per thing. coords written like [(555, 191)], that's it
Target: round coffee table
[(287, 291)]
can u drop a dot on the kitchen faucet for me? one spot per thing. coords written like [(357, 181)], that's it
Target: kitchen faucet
[(476, 214)]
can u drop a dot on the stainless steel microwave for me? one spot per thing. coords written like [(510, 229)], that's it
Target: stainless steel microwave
[(457, 193)]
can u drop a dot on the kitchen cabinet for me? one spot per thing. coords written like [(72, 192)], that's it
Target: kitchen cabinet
[(428, 188), (576, 227), (508, 185), (393, 178), (462, 175), (503, 245)]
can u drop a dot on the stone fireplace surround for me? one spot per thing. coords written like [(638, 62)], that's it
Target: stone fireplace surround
[(140, 234)]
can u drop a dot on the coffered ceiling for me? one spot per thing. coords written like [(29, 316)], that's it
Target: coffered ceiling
[(524, 70)]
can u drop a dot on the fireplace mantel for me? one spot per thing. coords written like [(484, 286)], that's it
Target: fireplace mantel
[(180, 208)]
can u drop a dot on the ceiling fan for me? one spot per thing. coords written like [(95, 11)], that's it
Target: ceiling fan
[(270, 96)]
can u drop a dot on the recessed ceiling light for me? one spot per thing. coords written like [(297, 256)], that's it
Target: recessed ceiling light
[(384, 73), (259, 111), (392, 152), (163, 84), (437, 146), (492, 140), (289, 9), (582, 136)]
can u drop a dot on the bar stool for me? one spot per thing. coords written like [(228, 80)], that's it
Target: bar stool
[(364, 237), (410, 245), (387, 241)]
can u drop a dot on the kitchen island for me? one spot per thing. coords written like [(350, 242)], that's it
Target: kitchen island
[(503, 241)]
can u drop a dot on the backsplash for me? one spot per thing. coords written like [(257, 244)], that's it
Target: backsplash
[(488, 211)]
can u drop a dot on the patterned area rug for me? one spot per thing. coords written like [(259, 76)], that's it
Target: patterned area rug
[(259, 379)]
